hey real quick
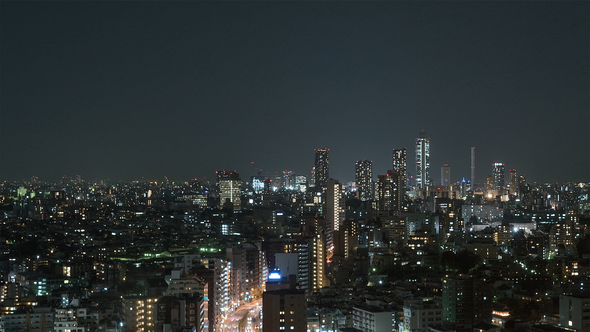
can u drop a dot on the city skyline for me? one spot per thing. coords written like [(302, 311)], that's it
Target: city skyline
[(122, 91)]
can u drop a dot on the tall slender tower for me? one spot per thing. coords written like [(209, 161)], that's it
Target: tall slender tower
[(445, 175), (334, 213), (422, 160), (512, 182), (400, 166), (322, 167), (473, 168), (364, 179), (498, 184), (389, 198)]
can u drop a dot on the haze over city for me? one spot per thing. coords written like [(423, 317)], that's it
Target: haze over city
[(125, 90)]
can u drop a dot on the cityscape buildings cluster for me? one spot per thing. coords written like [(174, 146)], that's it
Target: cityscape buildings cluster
[(391, 252)]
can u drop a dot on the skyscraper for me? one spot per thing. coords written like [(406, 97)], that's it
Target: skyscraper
[(334, 212), (400, 166), (229, 189), (498, 175), (445, 175), (467, 300), (364, 179), (422, 160), (473, 168), (388, 192), (311, 260), (322, 167), (512, 182)]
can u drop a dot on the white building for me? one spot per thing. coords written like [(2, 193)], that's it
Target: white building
[(373, 319), (419, 316)]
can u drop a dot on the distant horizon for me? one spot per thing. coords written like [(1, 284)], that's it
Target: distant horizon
[(124, 90)]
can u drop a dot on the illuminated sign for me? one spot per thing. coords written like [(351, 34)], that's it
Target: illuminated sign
[(275, 275)]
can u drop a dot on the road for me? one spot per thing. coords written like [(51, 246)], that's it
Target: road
[(245, 318)]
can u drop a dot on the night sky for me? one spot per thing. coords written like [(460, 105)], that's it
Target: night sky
[(125, 90)]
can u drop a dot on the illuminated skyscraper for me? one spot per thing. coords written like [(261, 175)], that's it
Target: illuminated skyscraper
[(334, 212), (512, 182), (322, 167), (445, 175), (422, 160), (364, 179), (311, 260), (229, 189), (388, 192), (473, 168), (498, 175), (400, 166)]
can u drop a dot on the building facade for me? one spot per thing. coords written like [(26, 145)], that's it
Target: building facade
[(364, 179), (284, 310), (321, 168), (422, 161), (229, 190), (400, 165)]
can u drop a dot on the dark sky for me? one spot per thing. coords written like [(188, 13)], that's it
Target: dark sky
[(124, 90)]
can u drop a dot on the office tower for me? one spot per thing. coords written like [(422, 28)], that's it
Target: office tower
[(364, 179), (498, 175), (322, 167), (445, 175), (229, 189), (512, 182), (422, 160), (522, 187), (284, 310), (489, 186), (400, 166), (388, 192), (473, 168), (334, 213), (467, 301)]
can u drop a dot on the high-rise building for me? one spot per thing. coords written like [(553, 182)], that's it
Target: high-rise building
[(473, 168), (512, 182), (181, 310), (364, 179), (422, 160), (215, 273), (466, 300), (322, 167), (522, 186), (334, 213), (229, 189), (445, 175), (400, 166), (498, 175), (284, 310), (311, 260), (388, 192)]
